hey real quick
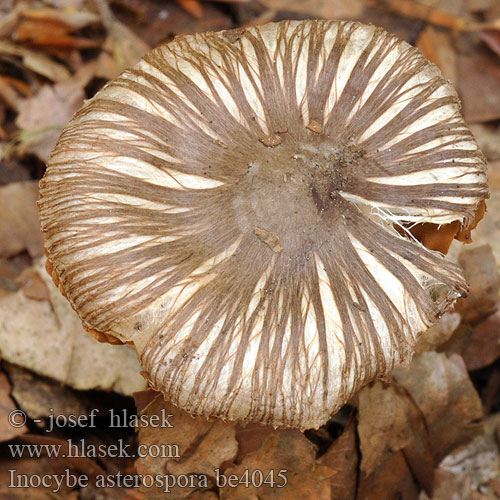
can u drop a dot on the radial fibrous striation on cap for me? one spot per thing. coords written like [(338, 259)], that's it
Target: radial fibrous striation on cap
[(239, 206)]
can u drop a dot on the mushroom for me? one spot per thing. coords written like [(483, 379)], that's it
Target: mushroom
[(239, 206)]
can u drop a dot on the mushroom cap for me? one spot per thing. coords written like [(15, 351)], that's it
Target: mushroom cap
[(238, 205)]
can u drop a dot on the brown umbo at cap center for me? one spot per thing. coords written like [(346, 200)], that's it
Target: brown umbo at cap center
[(240, 207)]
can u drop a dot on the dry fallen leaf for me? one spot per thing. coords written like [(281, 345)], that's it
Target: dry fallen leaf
[(75, 16), (476, 6), (159, 21), (35, 395), (34, 467), (193, 7), (471, 468), (287, 458), (479, 79), (392, 480), (488, 139), (33, 285), (47, 338), (122, 47), (443, 392), (437, 46), (10, 96), (19, 224), (488, 230), (439, 333), (10, 270), (49, 27), (8, 20), (492, 39), (406, 428), (250, 438), (327, 9), (479, 460), (271, 239), (482, 275), (482, 347), (8, 431), (342, 457), (39, 330), (390, 422), (218, 446), (449, 487), (36, 61), (445, 13), (78, 475), (42, 117), (314, 126), (192, 445), (204, 495)]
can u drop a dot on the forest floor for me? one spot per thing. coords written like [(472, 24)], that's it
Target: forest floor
[(430, 431)]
